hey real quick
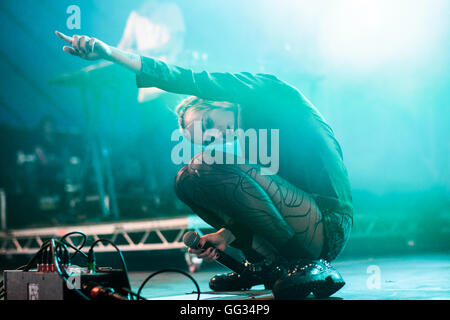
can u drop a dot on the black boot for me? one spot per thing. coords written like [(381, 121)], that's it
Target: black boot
[(304, 277), (264, 272)]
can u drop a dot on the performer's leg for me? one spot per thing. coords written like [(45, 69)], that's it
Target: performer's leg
[(251, 205), (296, 206), (186, 192), (255, 249)]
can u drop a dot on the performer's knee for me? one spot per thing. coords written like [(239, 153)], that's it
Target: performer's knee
[(180, 182), (199, 172), (199, 168), (189, 176)]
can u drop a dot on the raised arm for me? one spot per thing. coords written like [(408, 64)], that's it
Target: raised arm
[(233, 87), (218, 86)]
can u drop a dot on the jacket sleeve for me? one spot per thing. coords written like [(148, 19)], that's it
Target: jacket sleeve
[(232, 87)]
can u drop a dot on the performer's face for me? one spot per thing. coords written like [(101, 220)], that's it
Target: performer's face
[(219, 119)]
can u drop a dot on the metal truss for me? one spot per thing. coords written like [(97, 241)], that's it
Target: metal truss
[(144, 235), (165, 234)]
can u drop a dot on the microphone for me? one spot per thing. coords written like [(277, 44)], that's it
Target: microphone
[(191, 239)]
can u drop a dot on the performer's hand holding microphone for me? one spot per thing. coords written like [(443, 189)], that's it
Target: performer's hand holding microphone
[(211, 247)]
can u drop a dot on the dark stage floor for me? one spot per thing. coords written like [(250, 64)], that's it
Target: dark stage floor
[(422, 277), (402, 277)]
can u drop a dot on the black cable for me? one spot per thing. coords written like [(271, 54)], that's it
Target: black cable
[(36, 255), (168, 270), (133, 293), (60, 273), (27, 266), (77, 250), (49, 243), (124, 265), (56, 258), (54, 244)]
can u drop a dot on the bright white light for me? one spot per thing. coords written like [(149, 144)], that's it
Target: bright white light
[(366, 34)]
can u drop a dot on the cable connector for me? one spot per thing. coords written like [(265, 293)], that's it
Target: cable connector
[(66, 259), (91, 264)]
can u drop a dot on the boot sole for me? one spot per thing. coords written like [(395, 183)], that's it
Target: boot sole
[(321, 288), (326, 288), (266, 287)]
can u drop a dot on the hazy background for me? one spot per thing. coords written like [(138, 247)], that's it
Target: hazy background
[(377, 70)]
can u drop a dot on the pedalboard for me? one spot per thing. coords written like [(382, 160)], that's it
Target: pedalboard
[(37, 285)]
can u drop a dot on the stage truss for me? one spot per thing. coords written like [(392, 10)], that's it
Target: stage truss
[(167, 234), (144, 235)]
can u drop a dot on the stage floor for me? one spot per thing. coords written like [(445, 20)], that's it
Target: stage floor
[(408, 277), (416, 277)]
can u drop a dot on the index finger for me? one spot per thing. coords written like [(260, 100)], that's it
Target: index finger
[(64, 37)]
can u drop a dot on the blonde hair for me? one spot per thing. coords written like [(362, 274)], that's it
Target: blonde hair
[(198, 104)]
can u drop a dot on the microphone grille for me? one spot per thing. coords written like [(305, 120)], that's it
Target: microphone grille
[(191, 238)]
